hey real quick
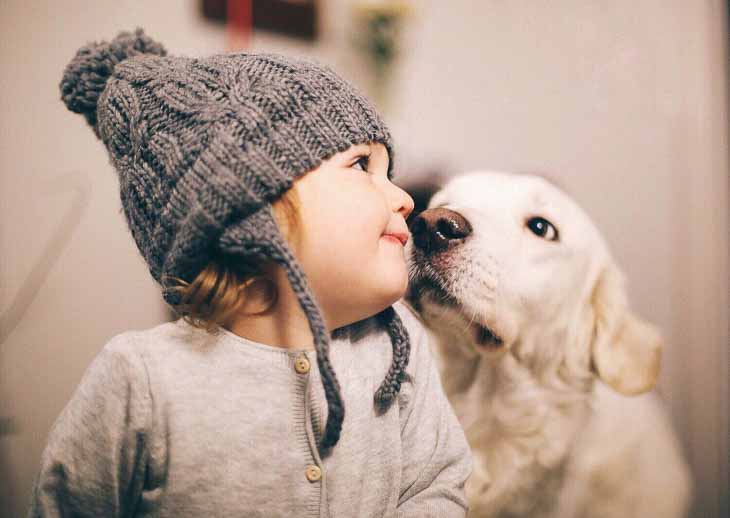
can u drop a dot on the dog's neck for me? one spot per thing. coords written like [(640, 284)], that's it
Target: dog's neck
[(520, 413), (458, 364)]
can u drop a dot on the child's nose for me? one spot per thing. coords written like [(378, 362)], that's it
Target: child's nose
[(406, 203)]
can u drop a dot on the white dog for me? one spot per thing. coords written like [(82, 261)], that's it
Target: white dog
[(540, 355)]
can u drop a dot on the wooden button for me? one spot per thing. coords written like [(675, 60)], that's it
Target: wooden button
[(301, 364), (313, 473)]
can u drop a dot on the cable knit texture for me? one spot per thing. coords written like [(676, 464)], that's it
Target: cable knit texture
[(202, 146)]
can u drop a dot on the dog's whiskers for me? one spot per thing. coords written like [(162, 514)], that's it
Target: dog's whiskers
[(462, 312)]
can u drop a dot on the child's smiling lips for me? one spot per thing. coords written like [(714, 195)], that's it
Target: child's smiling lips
[(402, 237)]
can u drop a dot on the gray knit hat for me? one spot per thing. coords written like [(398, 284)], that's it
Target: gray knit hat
[(203, 146)]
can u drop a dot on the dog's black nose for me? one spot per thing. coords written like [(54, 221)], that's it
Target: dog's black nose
[(434, 229)]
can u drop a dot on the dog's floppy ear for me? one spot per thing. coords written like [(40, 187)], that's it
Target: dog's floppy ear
[(626, 350)]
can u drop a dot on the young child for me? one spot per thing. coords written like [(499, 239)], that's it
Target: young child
[(240, 172)]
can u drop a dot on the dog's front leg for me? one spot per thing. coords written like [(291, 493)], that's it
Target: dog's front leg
[(480, 481)]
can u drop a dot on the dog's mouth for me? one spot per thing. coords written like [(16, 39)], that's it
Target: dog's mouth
[(482, 335), (486, 337)]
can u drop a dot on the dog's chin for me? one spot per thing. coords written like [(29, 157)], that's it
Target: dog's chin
[(427, 289), (428, 297)]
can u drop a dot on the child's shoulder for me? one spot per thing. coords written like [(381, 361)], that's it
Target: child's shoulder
[(410, 319), (162, 341), (421, 354), (370, 343), (136, 340), (370, 328)]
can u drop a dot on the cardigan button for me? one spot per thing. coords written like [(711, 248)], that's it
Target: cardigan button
[(313, 473), (301, 364)]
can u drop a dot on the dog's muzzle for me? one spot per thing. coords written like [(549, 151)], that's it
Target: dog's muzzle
[(434, 231)]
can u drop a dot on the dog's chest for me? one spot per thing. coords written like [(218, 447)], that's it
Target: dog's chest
[(521, 440)]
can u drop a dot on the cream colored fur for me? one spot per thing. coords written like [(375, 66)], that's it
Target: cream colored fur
[(561, 418)]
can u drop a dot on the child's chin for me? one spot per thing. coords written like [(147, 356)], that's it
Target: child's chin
[(396, 284)]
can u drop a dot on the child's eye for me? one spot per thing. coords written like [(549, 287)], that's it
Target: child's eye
[(361, 163)]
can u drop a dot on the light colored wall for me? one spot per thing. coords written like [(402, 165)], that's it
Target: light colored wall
[(624, 102), (71, 276)]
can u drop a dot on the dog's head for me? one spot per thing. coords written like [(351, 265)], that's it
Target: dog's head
[(505, 262)]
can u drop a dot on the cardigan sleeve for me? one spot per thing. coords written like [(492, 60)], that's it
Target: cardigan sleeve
[(437, 458), (94, 460)]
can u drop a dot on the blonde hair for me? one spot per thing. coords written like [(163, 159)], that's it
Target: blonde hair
[(219, 291)]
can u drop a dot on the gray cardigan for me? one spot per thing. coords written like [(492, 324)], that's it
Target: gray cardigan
[(173, 421)]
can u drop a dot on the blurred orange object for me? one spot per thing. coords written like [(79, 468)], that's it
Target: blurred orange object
[(239, 24)]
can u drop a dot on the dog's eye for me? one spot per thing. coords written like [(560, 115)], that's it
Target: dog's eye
[(543, 228)]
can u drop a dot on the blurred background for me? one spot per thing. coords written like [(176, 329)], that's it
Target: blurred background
[(624, 103)]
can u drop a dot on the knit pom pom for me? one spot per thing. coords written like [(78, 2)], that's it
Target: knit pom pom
[(88, 72)]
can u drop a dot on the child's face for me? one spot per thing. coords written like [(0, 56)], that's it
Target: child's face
[(347, 205)]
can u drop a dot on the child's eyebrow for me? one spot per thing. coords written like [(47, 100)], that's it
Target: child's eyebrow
[(360, 149), (356, 151)]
